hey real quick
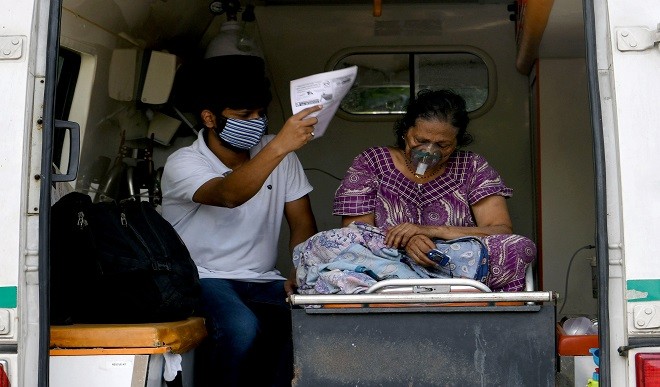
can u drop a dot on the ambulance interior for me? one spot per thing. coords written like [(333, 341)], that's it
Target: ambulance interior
[(522, 64), (519, 64)]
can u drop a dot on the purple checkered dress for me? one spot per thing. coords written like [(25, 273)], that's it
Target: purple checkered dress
[(374, 185)]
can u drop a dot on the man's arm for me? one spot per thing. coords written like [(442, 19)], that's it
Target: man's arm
[(245, 181), (302, 226)]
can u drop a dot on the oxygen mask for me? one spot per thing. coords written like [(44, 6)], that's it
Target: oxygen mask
[(424, 157)]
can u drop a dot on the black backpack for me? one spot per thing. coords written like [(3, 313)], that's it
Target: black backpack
[(117, 263)]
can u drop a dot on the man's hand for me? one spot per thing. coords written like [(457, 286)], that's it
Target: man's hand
[(297, 130), (290, 287), (290, 284)]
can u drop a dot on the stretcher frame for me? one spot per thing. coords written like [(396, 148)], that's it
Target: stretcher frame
[(445, 332)]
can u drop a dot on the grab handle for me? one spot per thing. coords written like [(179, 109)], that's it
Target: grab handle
[(74, 151)]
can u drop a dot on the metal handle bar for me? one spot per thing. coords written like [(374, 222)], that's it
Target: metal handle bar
[(320, 299), (426, 285)]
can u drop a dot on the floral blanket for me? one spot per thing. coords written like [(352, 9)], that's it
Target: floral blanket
[(351, 259)]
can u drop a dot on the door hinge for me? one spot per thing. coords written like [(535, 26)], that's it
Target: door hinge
[(645, 317), (5, 321), (11, 47), (636, 38)]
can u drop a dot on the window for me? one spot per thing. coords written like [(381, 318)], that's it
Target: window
[(387, 79)]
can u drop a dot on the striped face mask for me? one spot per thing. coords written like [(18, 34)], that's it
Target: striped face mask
[(244, 134)]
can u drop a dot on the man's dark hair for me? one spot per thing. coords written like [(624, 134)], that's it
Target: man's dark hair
[(228, 81)]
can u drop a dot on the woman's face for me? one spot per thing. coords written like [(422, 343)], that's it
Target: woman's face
[(441, 133)]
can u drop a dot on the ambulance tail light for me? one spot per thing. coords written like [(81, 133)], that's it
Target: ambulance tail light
[(647, 366), (4, 379)]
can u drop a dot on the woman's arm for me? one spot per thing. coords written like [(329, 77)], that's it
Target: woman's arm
[(356, 195), (490, 213)]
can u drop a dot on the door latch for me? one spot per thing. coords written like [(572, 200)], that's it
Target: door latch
[(431, 289)]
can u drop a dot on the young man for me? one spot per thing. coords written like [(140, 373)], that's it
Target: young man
[(225, 195)]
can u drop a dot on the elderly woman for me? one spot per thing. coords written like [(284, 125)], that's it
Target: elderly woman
[(426, 188)]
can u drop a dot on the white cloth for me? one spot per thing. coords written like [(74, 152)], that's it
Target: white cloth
[(172, 365), (234, 243)]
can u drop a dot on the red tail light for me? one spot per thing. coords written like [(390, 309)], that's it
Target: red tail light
[(4, 379), (647, 366)]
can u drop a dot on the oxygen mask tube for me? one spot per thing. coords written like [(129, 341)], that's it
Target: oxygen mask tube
[(424, 157)]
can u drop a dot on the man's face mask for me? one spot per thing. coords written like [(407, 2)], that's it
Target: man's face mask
[(424, 157), (244, 134)]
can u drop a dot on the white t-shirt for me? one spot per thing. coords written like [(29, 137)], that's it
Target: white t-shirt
[(236, 243)]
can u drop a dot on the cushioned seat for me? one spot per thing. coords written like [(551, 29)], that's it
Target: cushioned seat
[(175, 337)]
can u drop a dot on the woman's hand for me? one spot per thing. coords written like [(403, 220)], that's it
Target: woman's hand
[(417, 247), (399, 235)]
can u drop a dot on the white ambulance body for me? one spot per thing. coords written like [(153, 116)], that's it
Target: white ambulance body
[(570, 117)]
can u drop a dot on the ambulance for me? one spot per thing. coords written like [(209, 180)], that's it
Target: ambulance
[(564, 100)]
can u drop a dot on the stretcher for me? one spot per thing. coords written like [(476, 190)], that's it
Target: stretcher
[(444, 332)]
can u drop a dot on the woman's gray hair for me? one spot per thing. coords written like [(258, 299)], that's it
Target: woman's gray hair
[(441, 105)]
